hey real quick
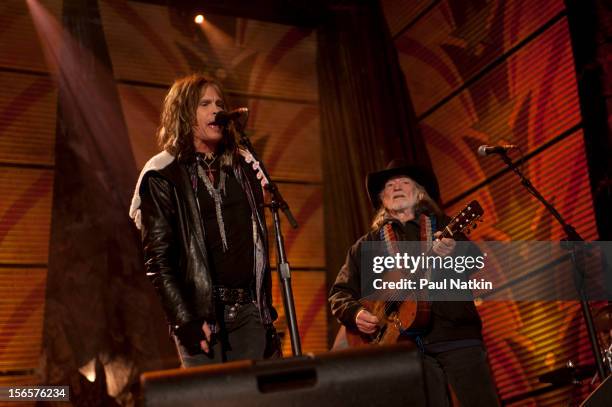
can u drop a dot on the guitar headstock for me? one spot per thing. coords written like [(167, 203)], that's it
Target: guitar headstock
[(466, 219)]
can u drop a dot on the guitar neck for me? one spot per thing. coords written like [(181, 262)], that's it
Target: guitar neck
[(447, 232)]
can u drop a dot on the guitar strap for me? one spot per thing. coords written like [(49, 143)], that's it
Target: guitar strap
[(426, 231)]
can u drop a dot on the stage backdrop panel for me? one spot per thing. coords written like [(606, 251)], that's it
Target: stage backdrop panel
[(248, 56), (503, 72), (27, 137), (21, 314), (539, 104), (27, 118), (454, 41), (141, 107), (25, 211), (19, 47), (303, 245), (561, 174), (288, 136), (400, 14)]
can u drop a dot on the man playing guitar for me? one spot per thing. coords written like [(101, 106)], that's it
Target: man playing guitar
[(451, 344)]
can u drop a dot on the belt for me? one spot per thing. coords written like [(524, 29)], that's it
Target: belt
[(226, 295), (436, 348)]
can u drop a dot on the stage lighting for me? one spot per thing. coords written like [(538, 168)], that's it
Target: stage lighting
[(199, 19)]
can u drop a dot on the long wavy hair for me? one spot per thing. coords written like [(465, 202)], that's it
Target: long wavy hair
[(178, 118), (425, 205)]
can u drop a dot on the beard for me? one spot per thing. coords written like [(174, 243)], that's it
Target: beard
[(401, 204)]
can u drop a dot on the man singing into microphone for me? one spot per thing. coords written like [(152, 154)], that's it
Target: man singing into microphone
[(198, 204)]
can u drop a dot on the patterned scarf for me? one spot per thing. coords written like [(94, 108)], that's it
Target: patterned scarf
[(427, 228)]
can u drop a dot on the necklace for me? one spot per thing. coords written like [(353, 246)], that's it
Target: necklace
[(208, 160), (216, 195)]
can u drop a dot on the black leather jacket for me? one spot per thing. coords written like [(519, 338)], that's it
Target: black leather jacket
[(174, 246)]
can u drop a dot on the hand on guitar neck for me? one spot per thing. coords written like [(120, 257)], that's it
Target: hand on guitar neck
[(444, 246)]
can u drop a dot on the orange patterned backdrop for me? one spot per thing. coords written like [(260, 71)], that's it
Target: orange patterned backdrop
[(478, 72), (27, 137)]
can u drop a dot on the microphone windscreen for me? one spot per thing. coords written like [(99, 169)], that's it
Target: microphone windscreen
[(223, 117)]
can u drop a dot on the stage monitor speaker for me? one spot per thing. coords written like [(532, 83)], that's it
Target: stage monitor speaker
[(372, 376), (601, 396)]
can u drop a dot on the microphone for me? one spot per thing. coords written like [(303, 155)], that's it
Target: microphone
[(222, 118), (485, 150)]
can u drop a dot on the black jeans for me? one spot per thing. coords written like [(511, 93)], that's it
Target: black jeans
[(467, 372), (243, 337)]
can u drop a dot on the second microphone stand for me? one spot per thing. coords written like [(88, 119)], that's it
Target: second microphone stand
[(284, 271), (577, 261)]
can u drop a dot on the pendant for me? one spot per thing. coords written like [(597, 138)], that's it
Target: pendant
[(211, 176)]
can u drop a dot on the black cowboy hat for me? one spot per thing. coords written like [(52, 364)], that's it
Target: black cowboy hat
[(375, 181)]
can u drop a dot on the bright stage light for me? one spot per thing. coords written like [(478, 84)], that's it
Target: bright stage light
[(199, 19)]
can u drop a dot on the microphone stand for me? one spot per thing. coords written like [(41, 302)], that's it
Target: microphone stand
[(284, 271), (577, 261)]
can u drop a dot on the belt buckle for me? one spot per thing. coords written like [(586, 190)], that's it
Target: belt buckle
[(231, 312)]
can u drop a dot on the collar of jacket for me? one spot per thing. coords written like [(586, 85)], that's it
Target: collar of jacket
[(162, 164), (166, 165), (391, 219), (156, 163)]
